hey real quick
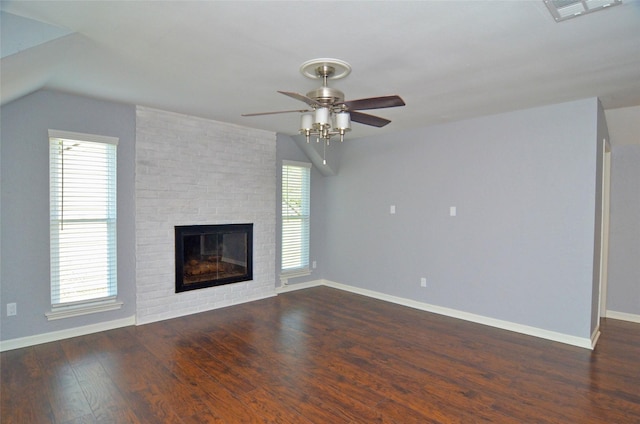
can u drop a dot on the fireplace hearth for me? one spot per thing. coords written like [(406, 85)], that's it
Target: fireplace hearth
[(213, 255)]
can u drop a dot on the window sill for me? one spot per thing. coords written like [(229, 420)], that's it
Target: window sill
[(83, 309), (286, 276)]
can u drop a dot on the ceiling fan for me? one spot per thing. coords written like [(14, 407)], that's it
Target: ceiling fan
[(329, 113)]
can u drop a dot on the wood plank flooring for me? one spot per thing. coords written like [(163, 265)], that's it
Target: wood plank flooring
[(321, 355)]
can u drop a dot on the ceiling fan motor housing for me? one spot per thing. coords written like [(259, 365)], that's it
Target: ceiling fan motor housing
[(326, 96)]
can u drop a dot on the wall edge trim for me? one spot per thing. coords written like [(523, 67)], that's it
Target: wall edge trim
[(623, 316), (587, 343), (53, 336), (583, 342)]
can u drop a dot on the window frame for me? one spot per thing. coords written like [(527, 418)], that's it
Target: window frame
[(95, 304), (304, 269)]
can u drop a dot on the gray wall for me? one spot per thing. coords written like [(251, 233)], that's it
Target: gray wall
[(521, 247), (287, 149), (623, 292), (25, 205)]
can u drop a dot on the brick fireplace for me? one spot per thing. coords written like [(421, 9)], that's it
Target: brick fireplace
[(195, 171)]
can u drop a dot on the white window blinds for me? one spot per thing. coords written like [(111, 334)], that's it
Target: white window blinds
[(295, 216), (82, 197)]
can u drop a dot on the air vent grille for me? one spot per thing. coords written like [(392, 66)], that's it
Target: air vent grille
[(562, 10)]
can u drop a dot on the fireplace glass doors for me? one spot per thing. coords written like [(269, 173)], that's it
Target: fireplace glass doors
[(213, 255)]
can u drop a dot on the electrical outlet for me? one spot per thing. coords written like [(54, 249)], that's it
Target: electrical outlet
[(12, 309), (423, 282)]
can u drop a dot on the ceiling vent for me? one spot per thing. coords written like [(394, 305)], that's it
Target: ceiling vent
[(567, 9)]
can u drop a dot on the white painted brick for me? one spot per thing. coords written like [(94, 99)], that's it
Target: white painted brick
[(191, 170)]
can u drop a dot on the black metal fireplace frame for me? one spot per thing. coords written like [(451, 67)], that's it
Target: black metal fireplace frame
[(189, 230)]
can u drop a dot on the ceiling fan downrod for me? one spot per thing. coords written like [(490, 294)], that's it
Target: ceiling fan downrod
[(325, 95)]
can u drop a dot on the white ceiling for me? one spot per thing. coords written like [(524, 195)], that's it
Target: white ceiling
[(449, 60)]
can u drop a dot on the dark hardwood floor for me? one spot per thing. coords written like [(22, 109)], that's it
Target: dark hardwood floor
[(322, 356)]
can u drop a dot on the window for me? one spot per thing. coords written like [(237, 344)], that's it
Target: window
[(82, 206), (296, 177)]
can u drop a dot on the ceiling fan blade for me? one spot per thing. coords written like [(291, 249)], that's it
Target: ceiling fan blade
[(374, 103), (364, 118), (275, 113), (302, 98)]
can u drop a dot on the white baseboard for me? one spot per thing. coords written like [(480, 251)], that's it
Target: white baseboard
[(65, 334), (594, 337), (93, 328), (624, 316), (587, 343), (292, 287), (583, 342)]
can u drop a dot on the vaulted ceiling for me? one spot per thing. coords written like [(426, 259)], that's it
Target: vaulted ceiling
[(449, 60)]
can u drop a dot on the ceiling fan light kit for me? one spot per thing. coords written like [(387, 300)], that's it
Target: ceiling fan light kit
[(330, 115)]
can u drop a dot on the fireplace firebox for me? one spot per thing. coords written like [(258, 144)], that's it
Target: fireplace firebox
[(213, 255)]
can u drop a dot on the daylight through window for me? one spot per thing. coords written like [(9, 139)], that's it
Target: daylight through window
[(295, 217), (82, 178)]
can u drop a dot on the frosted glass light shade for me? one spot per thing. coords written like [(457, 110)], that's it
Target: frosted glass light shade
[(322, 115), (306, 122), (343, 121)]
